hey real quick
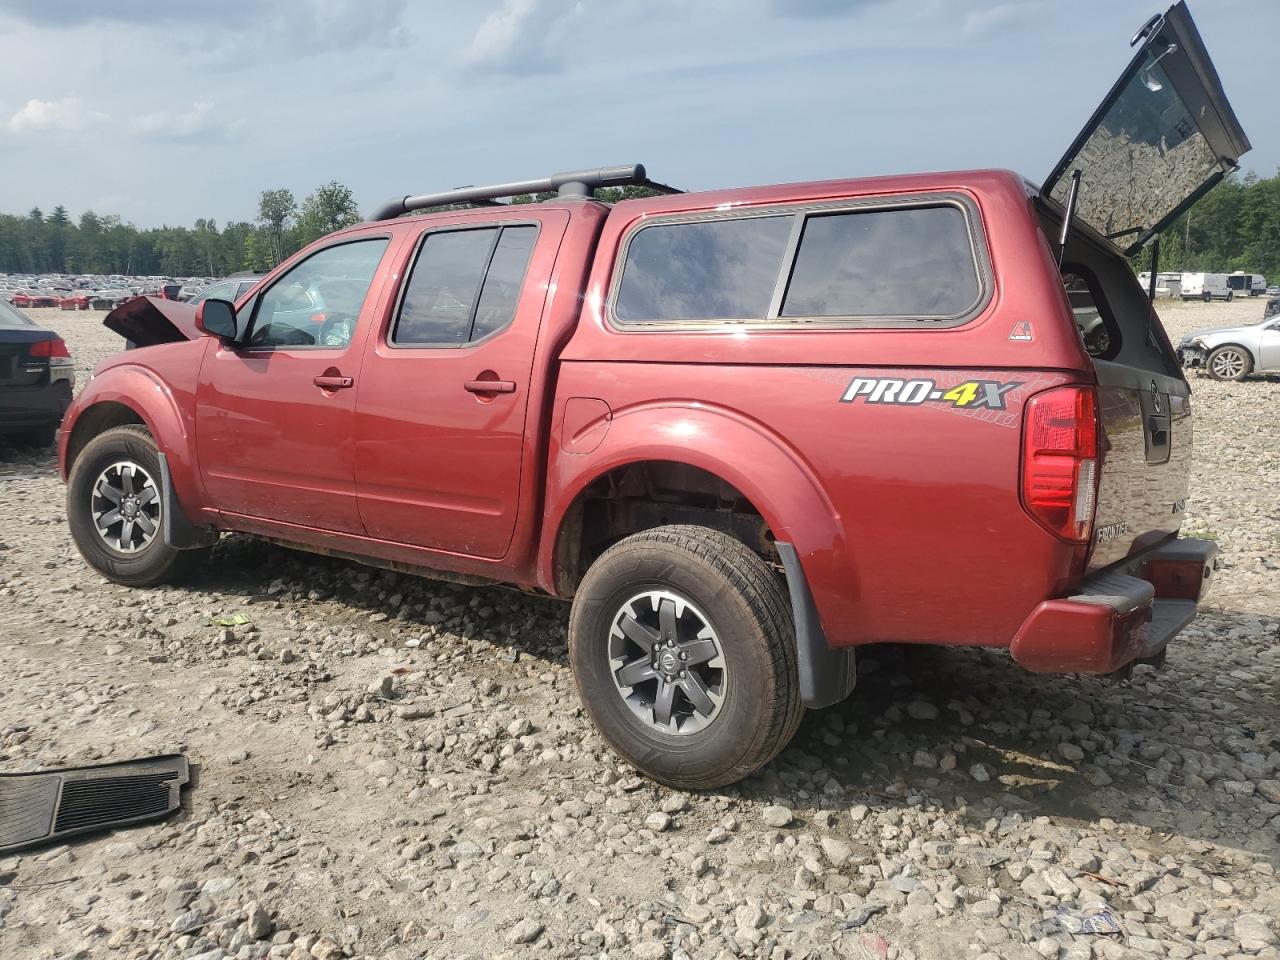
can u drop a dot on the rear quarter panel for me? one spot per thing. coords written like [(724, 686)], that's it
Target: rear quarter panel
[(915, 531)]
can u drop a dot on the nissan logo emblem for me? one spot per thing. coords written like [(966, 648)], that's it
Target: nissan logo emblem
[(1157, 405)]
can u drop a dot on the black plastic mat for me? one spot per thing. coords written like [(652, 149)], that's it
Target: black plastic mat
[(51, 804)]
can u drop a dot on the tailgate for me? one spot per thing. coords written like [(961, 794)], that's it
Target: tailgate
[(1146, 460), (1144, 404)]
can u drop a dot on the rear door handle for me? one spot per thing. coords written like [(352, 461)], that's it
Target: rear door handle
[(334, 383), (490, 386)]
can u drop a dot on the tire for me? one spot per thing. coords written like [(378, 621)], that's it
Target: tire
[(149, 561), (1229, 362), (1206, 296), (723, 585), (1230, 295)]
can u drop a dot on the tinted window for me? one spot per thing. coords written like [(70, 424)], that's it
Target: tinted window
[(909, 262), (502, 283), (703, 270), (317, 303), (10, 317), (464, 285)]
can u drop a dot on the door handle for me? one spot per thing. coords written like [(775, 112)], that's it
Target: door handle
[(333, 383), (490, 386)]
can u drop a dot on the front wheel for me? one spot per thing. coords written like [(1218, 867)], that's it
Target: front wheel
[(683, 651), (116, 512), (1229, 363)]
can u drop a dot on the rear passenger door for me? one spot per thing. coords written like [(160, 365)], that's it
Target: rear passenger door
[(442, 402)]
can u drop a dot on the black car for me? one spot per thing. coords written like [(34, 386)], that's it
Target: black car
[(37, 377)]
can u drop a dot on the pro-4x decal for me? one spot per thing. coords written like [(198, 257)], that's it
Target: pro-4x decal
[(969, 395)]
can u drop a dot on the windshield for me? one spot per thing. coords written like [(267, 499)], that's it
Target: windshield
[(1145, 156)]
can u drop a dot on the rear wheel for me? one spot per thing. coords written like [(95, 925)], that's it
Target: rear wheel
[(1206, 296), (1229, 363), (116, 513), (684, 654)]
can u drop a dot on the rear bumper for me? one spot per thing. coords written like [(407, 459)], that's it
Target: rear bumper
[(23, 408), (1120, 616)]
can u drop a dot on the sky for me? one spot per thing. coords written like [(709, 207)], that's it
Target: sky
[(163, 111)]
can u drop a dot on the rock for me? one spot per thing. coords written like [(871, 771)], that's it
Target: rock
[(1270, 790), (258, 920), (777, 816), (980, 773), (922, 710), (649, 950), (658, 822), (836, 851), (526, 931), (749, 916), (1069, 751), (381, 768), (1254, 932)]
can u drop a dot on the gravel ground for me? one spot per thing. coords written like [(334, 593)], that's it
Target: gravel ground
[(395, 768)]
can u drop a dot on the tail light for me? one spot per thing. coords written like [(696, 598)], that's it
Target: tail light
[(1060, 461), (49, 348)]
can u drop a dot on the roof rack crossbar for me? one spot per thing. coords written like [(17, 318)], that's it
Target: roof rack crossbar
[(576, 183)]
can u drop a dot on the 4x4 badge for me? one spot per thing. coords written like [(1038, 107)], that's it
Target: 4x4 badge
[(1022, 332)]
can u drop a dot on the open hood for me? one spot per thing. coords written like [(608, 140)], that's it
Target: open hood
[(146, 321), (1163, 137)]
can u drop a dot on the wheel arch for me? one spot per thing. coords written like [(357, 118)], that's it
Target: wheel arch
[(132, 394), (753, 461)]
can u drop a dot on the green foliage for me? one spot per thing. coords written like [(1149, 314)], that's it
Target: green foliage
[(1235, 226), (331, 207), (101, 244)]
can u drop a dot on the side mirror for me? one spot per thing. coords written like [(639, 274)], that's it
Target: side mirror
[(216, 318)]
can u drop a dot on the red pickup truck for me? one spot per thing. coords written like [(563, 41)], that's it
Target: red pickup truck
[(745, 431)]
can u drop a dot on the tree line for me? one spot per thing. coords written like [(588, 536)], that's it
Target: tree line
[(1236, 226), (104, 244)]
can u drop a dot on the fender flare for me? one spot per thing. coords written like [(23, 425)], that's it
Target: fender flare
[(150, 398), (767, 470)]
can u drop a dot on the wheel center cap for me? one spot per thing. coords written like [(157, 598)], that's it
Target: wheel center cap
[(669, 661), (129, 508)]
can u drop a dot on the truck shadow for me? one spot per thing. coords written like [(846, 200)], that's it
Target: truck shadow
[(967, 730)]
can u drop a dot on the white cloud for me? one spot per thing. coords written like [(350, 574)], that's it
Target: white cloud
[(43, 116), (199, 123), (522, 36), (999, 17)]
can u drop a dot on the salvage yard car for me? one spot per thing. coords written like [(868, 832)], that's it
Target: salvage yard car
[(37, 377), (721, 423), (1232, 353)]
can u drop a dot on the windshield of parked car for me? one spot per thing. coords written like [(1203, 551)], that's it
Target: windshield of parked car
[(226, 290), (10, 317)]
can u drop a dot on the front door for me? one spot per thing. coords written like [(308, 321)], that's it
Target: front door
[(441, 405), (275, 413), (1269, 348)]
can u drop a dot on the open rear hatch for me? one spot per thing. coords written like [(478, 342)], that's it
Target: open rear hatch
[(1164, 136)]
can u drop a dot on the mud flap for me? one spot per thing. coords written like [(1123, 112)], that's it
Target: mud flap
[(49, 805), (178, 531), (827, 675)]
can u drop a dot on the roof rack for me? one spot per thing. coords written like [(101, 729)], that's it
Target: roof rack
[(577, 183)]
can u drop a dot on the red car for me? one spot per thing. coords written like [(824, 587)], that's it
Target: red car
[(746, 431), (74, 302)]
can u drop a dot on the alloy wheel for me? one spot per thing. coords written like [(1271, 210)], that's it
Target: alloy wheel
[(667, 662), (1228, 364), (125, 506)]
